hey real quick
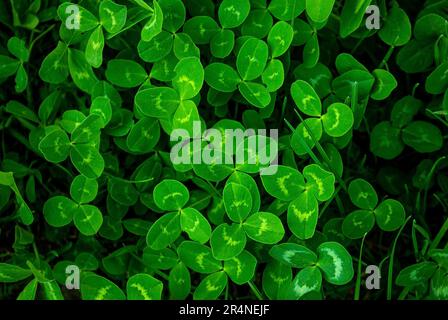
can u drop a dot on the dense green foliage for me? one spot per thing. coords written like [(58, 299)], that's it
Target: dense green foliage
[(86, 177)]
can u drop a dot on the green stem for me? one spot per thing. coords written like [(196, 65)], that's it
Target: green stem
[(361, 40), (40, 37), (391, 261), (414, 241), (354, 104), (160, 273), (435, 115), (414, 89), (214, 189), (358, 278), (445, 208), (327, 203), (428, 181), (36, 252), (322, 152), (285, 100), (25, 123), (305, 145), (387, 57), (19, 138), (404, 293), (255, 290), (439, 236)]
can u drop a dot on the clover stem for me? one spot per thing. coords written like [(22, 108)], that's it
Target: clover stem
[(40, 36), (3, 146), (391, 262), (289, 125), (285, 100), (360, 41), (322, 152), (387, 57), (404, 293), (428, 181), (19, 138), (340, 205), (63, 169), (414, 240), (358, 277), (36, 252), (25, 123), (255, 290), (445, 208), (414, 89), (443, 230), (327, 203), (354, 105), (214, 189), (435, 115)]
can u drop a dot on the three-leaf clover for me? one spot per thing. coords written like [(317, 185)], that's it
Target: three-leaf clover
[(60, 211), (303, 192), (389, 214), (332, 262)]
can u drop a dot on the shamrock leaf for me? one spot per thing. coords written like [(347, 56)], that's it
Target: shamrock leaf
[(195, 225), (335, 263), (143, 287), (170, 195), (390, 215), (232, 13), (285, 184), (112, 16), (306, 98), (189, 77), (211, 286), (237, 201), (302, 215), (319, 10), (83, 190), (252, 58), (55, 146), (154, 25), (338, 120), (264, 227), (227, 241), (88, 219), (293, 255), (164, 231), (241, 269), (94, 287), (198, 257)]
